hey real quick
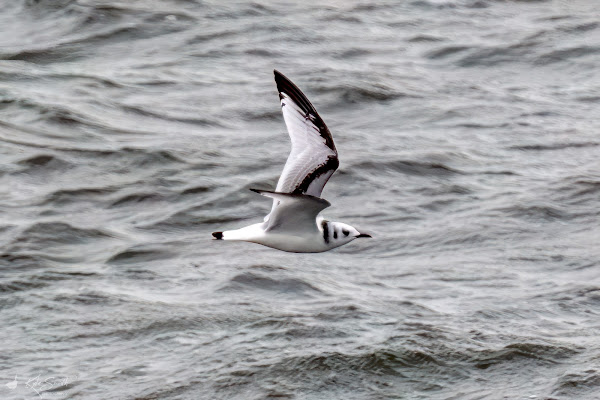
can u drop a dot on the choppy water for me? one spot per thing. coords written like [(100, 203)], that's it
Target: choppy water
[(468, 133)]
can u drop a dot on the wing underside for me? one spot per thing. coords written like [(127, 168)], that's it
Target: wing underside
[(294, 212), (313, 158)]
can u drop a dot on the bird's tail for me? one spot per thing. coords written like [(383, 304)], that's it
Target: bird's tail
[(248, 233)]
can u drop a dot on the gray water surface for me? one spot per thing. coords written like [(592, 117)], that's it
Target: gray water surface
[(468, 135)]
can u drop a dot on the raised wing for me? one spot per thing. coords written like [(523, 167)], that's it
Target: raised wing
[(313, 158), (293, 212)]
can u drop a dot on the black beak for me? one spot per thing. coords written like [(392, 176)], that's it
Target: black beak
[(363, 235)]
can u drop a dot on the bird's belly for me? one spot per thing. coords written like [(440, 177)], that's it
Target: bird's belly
[(295, 244)]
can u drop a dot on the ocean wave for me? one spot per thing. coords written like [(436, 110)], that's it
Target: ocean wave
[(538, 212), (135, 199), (41, 280), (408, 167), (170, 117), (67, 196), (553, 146), (577, 384), (377, 92), (140, 255), (42, 234), (566, 54), (42, 163), (250, 281), (513, 352), (377, 362)]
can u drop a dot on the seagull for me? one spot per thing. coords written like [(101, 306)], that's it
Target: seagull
[(294, 224)]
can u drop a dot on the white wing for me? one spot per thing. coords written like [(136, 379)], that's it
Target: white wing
[(294, 212), (313, 158)]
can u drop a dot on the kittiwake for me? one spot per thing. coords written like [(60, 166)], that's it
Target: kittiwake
[(294, 223)]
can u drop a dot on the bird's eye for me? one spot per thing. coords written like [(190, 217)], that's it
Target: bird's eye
[(335, 234), (345, 232)]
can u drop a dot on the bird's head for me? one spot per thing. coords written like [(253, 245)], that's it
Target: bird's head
[(339, 233)]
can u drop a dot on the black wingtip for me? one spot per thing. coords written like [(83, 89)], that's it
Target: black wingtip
[(283, 83), (256, 190), (218, 235), (286, 87)]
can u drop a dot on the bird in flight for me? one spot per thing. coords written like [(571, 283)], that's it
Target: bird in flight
[(294, 224)]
